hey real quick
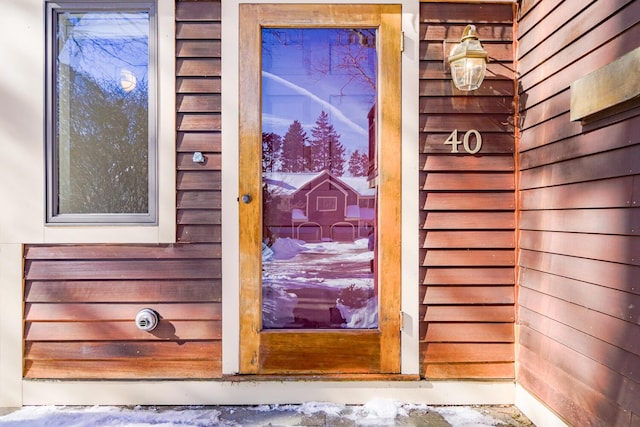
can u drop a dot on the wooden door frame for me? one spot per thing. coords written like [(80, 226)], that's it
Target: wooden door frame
[(369, 351)]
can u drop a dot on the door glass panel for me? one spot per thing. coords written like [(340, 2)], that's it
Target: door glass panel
[(318, 178)]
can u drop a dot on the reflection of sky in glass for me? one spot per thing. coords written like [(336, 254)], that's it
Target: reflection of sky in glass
[(306, 71), (108, 46), (101, 111)]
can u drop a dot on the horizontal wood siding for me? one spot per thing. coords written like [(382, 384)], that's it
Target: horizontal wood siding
[(199, 107), (468, 237), (81, 300), (579, 327)]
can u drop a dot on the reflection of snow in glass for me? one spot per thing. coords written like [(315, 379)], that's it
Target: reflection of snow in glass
[(287, 248), (360, 317), (277, 307), (337, 274)]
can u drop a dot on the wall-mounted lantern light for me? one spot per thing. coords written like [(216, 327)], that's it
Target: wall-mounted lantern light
[(468, 61)]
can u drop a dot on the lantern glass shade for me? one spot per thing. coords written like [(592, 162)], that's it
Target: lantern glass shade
[(468, 61)]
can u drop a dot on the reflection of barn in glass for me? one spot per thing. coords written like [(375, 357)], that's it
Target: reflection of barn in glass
[(318, 206)]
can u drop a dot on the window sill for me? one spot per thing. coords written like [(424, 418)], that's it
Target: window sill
[(62, 233)]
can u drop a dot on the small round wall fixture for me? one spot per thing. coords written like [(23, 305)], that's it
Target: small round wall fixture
[(468, 61), (147, 319)]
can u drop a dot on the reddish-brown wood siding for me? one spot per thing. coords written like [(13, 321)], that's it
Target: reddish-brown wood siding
[(198, 65), (81, 300), (468, 201), (579, 334)]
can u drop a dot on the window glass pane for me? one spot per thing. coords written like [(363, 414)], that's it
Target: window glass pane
[(101, 110), (319, 195)]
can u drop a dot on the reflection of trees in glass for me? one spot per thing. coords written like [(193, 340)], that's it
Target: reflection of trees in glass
[(296, 152), (104, 144), (102, 111), (294, 149), (358, 164), (271, 151), (353, 58), (351, 52), (103, 44), (327, 152), (307, 70)]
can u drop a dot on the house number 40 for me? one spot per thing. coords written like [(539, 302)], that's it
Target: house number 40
[(455, 142)]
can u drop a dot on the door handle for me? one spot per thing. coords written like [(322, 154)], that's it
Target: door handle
[(246, 198)]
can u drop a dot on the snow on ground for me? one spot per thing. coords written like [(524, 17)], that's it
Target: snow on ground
[(378, 412)]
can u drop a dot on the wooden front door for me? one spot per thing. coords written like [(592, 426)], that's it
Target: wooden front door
[(319, 188)]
